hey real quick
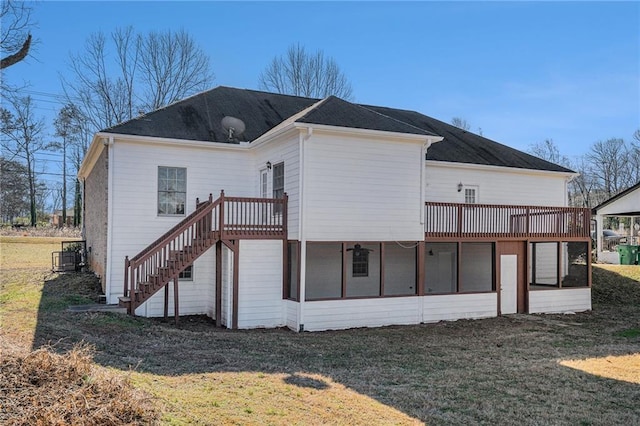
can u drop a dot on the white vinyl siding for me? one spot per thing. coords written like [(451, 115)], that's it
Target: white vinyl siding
[(260, 301), (135, 223), (195, 297), (361, 189), (284, 151), (342, 314), (447, 307), (500, 185), (560, 300)]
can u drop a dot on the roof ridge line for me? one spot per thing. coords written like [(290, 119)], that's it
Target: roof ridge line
[(427, 132)]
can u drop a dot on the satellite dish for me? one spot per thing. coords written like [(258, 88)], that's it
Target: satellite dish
[(233, 127)]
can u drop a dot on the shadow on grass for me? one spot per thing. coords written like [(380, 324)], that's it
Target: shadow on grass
[(486, 371), (612, 288), (305, 382)]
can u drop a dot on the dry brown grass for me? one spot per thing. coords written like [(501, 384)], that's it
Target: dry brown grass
[(623, 367), (511, 370), (45, 388)]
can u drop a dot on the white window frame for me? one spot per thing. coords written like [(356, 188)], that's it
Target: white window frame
[(158, 190), (263, 190), (273, 180), (187, 278), (476, 194)]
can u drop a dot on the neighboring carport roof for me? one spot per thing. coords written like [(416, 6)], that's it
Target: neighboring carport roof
[(617, 197), (199, 118)]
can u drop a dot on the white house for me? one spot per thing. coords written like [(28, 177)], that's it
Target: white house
[(334, 215)]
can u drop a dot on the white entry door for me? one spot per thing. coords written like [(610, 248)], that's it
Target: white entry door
[(508, 284)]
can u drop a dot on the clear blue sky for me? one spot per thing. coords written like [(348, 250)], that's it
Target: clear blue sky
[(520, 71)]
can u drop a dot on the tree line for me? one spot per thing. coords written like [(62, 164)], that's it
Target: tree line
[(606, 169), (115, 77), (118, 76)]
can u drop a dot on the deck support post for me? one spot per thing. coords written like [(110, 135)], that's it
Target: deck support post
[(175, 299), (166, 301), (219, 284), (421, 272), (236, 269)]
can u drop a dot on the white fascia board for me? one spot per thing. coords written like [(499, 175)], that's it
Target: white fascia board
[(503, 169), (97, 145), (377, 134), (269, 136), (154, 140), (90, 158)]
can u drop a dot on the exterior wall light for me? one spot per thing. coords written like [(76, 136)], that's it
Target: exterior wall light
[(460, 187), (268, 165)]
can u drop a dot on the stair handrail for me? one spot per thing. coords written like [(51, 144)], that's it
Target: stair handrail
[(217, 224), (202, 210)]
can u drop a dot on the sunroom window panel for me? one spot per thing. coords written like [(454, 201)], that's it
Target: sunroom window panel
[(363, 270), (292, 270), (400, 269), (440, 264), (476, 267), (544, 258), (575, 271), (323, 271)]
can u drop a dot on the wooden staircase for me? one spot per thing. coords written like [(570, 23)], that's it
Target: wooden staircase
[(225, 220)]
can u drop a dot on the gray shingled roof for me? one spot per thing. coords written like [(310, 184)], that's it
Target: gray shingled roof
[(460, 146), (199, 118)]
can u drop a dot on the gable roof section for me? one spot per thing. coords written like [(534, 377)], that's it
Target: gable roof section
[(336, 112), (615, 198), (460, 146), (199, 118)]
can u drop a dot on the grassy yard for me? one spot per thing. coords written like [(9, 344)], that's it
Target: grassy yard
[(579, 369)]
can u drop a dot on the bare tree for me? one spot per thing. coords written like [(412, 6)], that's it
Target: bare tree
[(171, 66), (147, 72), (14, 190), (583, 188), (460, 123), (68, 128), (22, 139), (608, 163), (15, 36), (303, 73), (549, 151)]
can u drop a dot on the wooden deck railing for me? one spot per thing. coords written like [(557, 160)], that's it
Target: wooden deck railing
[(256, 218), (227, 218), (453, 220)]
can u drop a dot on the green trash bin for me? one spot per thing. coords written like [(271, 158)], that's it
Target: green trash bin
[(628, 254)]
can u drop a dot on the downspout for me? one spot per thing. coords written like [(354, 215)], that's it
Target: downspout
[(566, 190), (302, 138), (423, 182), (423, 175), (110, 165)]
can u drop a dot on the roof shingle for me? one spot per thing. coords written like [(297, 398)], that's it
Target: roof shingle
[(199, 118)]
